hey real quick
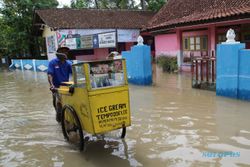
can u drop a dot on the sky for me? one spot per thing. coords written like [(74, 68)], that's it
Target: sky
[(64, 2), (67, 2)]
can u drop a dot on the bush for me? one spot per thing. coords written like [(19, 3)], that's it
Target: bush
[(168, 64)]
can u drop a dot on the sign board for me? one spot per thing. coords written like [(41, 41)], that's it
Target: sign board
[(128, 35), (107, 40), (87, 42), (51, 46), (71, 43), (111, 113), (95, 41), (78, 41)]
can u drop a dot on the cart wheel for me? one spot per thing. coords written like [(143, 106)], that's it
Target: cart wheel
[(71, 127), (123, 132)]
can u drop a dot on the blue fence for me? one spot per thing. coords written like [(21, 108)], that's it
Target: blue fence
[(139, 67), (233, 71), (28, 64)]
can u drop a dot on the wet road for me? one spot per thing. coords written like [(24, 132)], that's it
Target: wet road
[(172, 125)]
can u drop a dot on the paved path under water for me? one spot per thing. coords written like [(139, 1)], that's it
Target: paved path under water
[(172, 125)]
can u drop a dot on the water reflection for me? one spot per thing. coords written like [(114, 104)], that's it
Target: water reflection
[(172, 125)]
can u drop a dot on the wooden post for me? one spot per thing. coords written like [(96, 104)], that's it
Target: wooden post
[(207, 70), (192, 70), (213, 75), (196, 69), (201, 70)]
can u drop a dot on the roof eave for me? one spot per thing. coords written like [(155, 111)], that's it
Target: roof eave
[(162, 29)]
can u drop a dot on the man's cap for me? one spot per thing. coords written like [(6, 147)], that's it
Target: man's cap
[(62, 49), (58, 54)]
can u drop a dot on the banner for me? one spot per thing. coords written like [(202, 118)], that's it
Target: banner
[(86, 42), (61, 39), (51, 46), (107, 40), (71, 43), (128, 35), (95, 41), (77, 41)]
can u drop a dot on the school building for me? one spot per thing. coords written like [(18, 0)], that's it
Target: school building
[(89, 33), (186, 28)]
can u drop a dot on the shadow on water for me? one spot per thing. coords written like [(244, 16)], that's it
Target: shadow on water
[(106, 152)]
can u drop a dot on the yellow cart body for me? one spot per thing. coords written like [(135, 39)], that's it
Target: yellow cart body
[(99, 94)]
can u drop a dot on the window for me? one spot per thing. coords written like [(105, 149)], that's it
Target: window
[(196, 43), (204, 43), (186, 44), (79, 79), (221, 38), (192, 43), (106, 74)]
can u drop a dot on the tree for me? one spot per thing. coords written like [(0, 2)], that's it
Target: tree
[(155, 5), (17, 20), (79, 4), (143, 4), (115, 4), (5, 42)]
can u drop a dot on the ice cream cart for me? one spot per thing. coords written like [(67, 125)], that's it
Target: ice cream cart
[(97, 101)]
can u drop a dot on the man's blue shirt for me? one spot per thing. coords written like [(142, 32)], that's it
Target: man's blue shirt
[(59, 71)]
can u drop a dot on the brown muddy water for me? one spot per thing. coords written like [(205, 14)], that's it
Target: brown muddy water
[(172, 125)]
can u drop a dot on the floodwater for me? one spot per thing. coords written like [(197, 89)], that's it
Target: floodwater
[(172, 125)]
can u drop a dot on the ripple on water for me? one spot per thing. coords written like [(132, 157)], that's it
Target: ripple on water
[(30, 136), (11, 158), (146, 140), (245, 131), (188, 124), (170, 108), (167, 119), (212, 138), (241, 140)]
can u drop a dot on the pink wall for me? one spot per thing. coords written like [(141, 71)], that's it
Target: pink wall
[(212, 38), (171, 44), (99, 54), (166, 44), (85, 57)]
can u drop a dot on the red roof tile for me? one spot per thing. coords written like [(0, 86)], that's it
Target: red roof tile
[(66, 18), (178, 12)]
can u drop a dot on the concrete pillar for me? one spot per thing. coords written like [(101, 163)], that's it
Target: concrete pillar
[(227, 69), (179, 48), (34, 64), (138, 63), (21, 64)]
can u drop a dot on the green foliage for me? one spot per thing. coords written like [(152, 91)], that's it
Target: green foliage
[(16, 24), (155, 5), (79, 4), (168, 64), (116, 4)]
